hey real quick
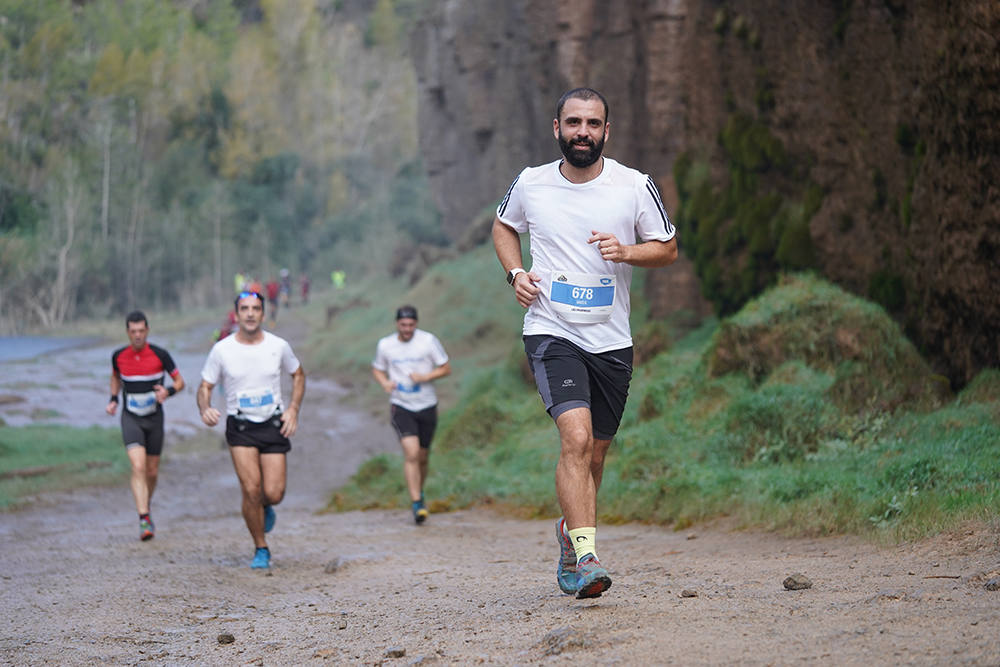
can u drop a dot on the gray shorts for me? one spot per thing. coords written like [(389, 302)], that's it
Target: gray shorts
[(146, 431)]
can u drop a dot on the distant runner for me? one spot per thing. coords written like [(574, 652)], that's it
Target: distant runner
[(137, 371), (304, 285), (273, 292), (589, 220), (229, 326), (249, 365), (406, 362), (286, 288)]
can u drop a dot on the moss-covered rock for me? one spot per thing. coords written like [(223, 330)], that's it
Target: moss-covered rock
[(812, 321), (984, 388)]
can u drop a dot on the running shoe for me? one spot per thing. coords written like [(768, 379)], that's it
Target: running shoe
[(269, 518), (566, 569), (146, 529), (420, 512), (591, 578), (262, 559)]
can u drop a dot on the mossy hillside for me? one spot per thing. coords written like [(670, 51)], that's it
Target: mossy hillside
[(744, 229), (858, 348), (340, 338), (764, 438), (984, 388), (763, 442)]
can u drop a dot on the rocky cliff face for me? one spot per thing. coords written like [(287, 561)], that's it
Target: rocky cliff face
[(892, 108)]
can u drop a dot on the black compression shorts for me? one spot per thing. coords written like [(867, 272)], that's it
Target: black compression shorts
[(146, 431), (568, 377), (265, 436), (421, 423)]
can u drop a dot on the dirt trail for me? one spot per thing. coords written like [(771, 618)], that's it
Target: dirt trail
[(76, 585)]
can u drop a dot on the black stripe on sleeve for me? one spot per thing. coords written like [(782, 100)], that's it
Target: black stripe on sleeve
[(165, 359), (114, 359), (502, 208), (651, 187)]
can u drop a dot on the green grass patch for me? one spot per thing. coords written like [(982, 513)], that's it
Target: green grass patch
[(807, 412), (807, 319), (36, 459)]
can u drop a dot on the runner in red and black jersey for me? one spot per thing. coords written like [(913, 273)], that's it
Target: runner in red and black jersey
[(137, 371)]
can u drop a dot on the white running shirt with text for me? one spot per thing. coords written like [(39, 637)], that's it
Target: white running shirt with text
[(559, 217), (421, 354), (250, 374)]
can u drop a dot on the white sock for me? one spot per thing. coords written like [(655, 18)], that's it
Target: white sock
[(584, 541)]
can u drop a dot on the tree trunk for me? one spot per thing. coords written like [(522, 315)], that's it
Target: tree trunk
[(219, 286), (61, 289), (106, 181)]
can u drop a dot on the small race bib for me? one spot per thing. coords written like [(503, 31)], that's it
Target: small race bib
[(582, 298), (256, 404), (141, 404)]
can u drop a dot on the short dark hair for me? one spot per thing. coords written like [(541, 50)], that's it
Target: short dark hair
[(406, 312), (244, 294), (586, 94), (136, 316)]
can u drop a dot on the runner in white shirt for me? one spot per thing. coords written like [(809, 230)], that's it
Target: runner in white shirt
[(590, 219), (259, 423), (405, 364)]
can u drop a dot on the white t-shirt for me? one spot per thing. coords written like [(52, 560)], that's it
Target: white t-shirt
[(250, 374), (559, 217), (421, 354)]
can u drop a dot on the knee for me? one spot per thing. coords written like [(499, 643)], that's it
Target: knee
[(577, 435), (274, 496), (577, 443), (254, 494)]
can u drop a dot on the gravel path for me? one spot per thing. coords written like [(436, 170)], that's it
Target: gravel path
[(77, 587)]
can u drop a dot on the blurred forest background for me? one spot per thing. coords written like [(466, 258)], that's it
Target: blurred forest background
[(149, 150)]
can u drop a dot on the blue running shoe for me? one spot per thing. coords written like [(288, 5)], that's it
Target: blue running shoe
[(146, 529), (566, 568), (591, 578), (420, 512), (269, 518), (261, 559)]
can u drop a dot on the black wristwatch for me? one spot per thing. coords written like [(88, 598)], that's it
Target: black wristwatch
[(512, 274)]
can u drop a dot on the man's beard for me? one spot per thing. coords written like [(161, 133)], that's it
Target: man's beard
[(581, 160)]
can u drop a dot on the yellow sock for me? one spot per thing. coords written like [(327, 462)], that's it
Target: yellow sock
[(584, 541)]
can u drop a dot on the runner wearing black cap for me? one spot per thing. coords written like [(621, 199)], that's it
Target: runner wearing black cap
[(405, 364)]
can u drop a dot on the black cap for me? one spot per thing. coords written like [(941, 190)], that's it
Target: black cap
[(406, 312)]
